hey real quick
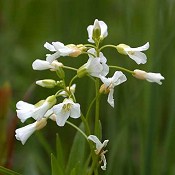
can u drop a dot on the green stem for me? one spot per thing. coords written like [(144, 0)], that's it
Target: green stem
[(89, 109), (89, 45), (88, 53), (121, 68), (93, 167), (70, 68), (109, 45), (88, 132), (78, 129), (97, 106)]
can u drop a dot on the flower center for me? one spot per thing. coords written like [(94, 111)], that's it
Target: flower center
[(67, 107)]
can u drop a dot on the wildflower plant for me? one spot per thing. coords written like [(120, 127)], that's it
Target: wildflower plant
[(63, 104)]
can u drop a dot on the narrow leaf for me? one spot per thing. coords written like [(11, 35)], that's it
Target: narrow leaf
[(56, 169), (5, 171)]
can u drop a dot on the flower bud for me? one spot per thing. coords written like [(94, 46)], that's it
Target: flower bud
[(121, 48), (56, 65), (60, 84), (51, 100), (140, 74), (149, 76), (96, 31), (60, 72), (41, 123), (47, 83), (82, 71), (77, 49)]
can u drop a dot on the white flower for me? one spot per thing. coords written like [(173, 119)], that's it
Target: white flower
[(66, 109), (44, 65), (100, 149), (22, 134), (134, 53), (26, 110), (97, 66), (110, 83), (103, 30), (149, 76), (60, 50)]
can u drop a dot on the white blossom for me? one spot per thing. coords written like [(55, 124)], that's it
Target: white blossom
[(103, 30), (97, 66), (100, 149), (149, 76), (26, 110), (22, 134), (134, 53), (44, 65), (59, 49), (110, 83), (65, 110)]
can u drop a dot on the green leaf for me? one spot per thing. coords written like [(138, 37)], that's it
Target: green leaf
[(56, 169), (5, 171), (77, 154), (59, 152)]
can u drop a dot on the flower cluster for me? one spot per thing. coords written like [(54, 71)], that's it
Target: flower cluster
[(62, 105)]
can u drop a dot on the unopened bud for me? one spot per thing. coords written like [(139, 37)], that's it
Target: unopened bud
[(140, 74), (96, 31), (41, 123), (60, 72), (121, 48), (60, 84), (82, 71), (56, 65), (51, 99), (77, 49), (47, 83)]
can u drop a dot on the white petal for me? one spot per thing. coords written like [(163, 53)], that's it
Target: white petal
[(93, 138), (58, 45), (61, 115), (90, 29), (61, 120), (118, 78), (22, 134), (154, 77), (23, 105), (75, 111), (110, 97), (92, 51), (103, 158), (49, 47), (41, 111), (138, 57), (51, 57), (104, 28), (141, 48), (40, 65), (105, 80), (23, 115)]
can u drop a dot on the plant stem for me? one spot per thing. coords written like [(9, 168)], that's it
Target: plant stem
[(78, 129), (124, 69), (97, 106), (109, 45), (70, 68)]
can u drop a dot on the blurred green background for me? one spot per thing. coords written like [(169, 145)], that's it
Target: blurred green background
[(141, 128)]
